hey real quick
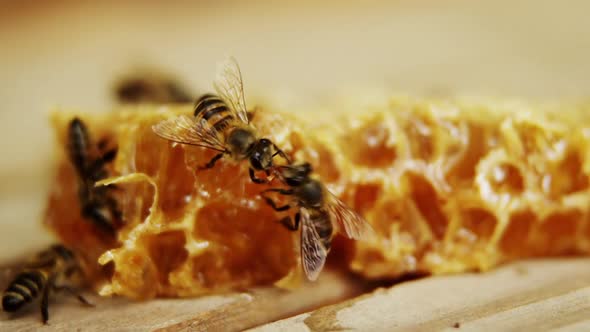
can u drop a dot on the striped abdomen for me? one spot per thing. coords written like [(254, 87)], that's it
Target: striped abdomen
[(324, 228), (78, 145), (214, 110), (24, 289)]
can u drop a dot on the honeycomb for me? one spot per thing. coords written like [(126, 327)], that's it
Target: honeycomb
[(448, 186)]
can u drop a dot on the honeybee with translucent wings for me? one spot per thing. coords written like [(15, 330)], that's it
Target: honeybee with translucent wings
[(220, 123), (320, 214), (52, 270)]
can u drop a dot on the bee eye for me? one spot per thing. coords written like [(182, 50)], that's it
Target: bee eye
[(255, 161), (264, 143)]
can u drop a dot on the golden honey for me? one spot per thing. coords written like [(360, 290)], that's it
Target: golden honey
[(448, 187)]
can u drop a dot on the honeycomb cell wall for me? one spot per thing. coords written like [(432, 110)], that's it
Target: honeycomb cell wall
[(448, 187)]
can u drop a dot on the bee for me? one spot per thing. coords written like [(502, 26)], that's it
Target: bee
[(320, 214), (97, 205), (221, 123), (47, 272), (151, 88)]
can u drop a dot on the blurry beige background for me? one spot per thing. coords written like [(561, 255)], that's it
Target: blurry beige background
[(68, 53)]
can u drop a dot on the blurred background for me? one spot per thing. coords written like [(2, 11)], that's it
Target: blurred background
[(297, 55)]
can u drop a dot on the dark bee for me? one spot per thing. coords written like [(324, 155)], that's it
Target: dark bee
[(221, 123), (47, 272), (151, 88), (320, 213), (97, 205)]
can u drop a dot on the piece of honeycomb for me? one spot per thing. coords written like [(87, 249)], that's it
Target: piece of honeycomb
[(448, 186)]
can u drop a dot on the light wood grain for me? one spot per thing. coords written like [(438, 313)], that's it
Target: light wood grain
[(224, 312), (534, 295), (537, 294)]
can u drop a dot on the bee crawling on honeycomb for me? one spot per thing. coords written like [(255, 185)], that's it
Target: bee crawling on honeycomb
[(222, 124), (320, 214), (97, 204), (445, 186), (52, 270)]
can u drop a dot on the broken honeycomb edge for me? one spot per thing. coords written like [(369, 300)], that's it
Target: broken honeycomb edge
[(449, 186)]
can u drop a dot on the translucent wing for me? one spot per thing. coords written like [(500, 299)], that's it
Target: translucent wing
[(313, 253), (350, 223), (230, 87), (186, 130)]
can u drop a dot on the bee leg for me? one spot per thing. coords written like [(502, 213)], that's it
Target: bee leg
[(285, 192), (212, 162), (45, 304), (92, 212), (270, 202), (109, 155), (254, 178), (288, 222), (73, 292), (274, 206), (281, 153), (96, 168)]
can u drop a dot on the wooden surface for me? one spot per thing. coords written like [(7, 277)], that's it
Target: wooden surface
[(539, 295), (534, 295), (223, 312), (69, 52)]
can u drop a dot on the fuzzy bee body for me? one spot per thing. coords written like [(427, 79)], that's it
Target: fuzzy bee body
[(150, 87), (78, 145), (215, 111), (320, 215), (97, 204), (39, 278), (238, 138), (23, 289), (221, 123)]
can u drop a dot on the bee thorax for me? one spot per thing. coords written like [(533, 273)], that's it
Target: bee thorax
[(240, 140), (311, 193)]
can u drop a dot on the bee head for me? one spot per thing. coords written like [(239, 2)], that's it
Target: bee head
[(262, 153)]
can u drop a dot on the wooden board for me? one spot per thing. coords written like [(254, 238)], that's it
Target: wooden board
[(534, 295), (541, 295), (227, 312)]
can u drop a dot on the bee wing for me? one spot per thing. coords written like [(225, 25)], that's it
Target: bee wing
[(313, 252), (186, 130), (230, 87), (350, 223)]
